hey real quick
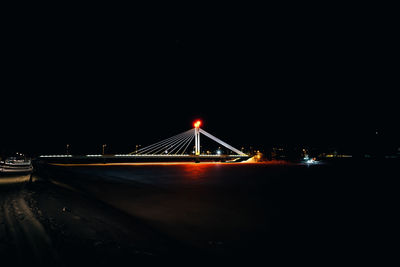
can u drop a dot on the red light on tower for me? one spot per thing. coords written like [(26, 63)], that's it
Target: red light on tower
[(197, 124)]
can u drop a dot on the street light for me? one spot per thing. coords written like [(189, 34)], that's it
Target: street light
[(67, 149), (104, 146)]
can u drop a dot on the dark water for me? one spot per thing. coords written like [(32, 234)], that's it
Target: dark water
[(187, 174), (323, 212)]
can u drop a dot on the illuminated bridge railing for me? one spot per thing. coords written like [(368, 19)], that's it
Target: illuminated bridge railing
[(178, 155), (140, 155), (55, 156)]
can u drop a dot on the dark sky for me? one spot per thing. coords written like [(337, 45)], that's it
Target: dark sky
[(323, 78)]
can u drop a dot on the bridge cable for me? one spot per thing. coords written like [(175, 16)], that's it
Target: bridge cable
[(160, 143), (170, 144), (190, 141), (222, 142), (183, 145), (149, 147), (165, 145), (180, 145)]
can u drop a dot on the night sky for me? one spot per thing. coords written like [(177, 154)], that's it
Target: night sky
[(324, 79)]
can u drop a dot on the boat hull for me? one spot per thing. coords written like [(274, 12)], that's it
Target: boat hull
[(12, 169)]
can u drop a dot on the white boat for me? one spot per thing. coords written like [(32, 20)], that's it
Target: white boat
[(15, 165)]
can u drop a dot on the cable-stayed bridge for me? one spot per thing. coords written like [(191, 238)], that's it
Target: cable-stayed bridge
[(176, 148)]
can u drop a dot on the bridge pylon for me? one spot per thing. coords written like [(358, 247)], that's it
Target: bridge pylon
[(177, 145), (197, 137)]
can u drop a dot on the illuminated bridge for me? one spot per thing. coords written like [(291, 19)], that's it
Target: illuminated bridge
[(175, 148)]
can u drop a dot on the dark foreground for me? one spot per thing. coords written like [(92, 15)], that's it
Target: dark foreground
[(275, 213)]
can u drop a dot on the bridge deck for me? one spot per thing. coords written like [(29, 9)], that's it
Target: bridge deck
[(140, 158)]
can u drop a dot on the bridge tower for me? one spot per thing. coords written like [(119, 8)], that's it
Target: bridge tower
[(197, 137), (177, 145)]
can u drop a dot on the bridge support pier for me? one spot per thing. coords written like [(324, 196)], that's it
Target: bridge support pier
[(197, 140)]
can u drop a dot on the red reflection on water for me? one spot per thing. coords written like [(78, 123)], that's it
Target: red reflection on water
[(198, 170)]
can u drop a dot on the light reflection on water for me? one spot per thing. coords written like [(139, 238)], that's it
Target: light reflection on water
[(197, 171), (180, 174)]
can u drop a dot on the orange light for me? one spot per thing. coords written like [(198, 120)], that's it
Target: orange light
[(197, 124)]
